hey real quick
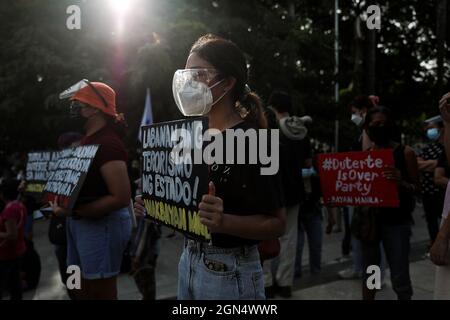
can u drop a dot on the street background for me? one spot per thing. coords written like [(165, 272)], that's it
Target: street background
[(324, 286)]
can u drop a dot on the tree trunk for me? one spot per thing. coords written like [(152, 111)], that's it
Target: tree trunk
[(371, 61), (291, 9), (358, 64)]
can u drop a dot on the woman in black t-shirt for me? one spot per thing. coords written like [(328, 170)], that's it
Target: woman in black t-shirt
[(243, 207), (391, 226)]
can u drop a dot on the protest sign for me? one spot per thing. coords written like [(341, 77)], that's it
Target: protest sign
[(355, 179), (67, 174), (172, 182), (39, 165)]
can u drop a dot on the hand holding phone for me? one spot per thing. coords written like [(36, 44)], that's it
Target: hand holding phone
[(46, 210)]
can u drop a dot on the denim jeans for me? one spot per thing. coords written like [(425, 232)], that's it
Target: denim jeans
[(357, 258), (346, 241), (97, 245), (312, 227), (396, 243), (242, 279)]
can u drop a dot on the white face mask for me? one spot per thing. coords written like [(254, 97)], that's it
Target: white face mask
[(193, 98), (357, 119)]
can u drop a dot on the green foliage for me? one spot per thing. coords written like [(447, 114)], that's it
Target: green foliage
[(288, 44)]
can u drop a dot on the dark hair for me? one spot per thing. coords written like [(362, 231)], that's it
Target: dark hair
[(280, 101), (229, 60), (360, 102), (436, 120), (9, 188), (380, 109)]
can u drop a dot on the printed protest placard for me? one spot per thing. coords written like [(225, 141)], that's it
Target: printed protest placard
[(39, 166), (355, 179), (68, 174), (172, 182)]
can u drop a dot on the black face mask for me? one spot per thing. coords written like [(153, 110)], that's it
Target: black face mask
[(381, 136), (75, 110)]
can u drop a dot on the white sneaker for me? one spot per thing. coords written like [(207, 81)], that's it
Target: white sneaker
[(348, 274), (343, 259), (383, 282)]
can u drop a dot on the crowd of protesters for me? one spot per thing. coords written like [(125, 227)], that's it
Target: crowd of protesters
[(259, 224)]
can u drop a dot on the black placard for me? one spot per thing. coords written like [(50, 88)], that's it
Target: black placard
[(39, 166), (172, 182), (68, 174)]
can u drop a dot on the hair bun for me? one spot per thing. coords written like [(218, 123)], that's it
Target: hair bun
[(120, 118)]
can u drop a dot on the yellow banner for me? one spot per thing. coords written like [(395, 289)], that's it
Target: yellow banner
[(177, 218), (35, 188)]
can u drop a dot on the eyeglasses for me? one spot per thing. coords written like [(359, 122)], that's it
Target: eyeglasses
[(204, 75)]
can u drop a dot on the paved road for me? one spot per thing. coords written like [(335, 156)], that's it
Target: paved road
[(326, 286)]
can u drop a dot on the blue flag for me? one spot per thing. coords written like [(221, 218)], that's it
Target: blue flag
[(147, 117)]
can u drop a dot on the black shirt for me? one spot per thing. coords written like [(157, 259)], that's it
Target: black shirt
[(443, 163), (293, 154), (402, 214), (244, 191)]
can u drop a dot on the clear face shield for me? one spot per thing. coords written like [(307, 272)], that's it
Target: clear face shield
[(70, 92), (76, 106)]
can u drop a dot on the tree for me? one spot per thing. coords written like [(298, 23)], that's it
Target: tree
[(288, 44)]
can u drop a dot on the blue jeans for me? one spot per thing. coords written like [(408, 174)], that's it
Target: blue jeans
[(357, 257), (97, 245), (395, 240), (241, 279), (312, 227), (347, 241)]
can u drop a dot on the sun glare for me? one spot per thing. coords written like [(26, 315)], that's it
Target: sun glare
[(120, 6)]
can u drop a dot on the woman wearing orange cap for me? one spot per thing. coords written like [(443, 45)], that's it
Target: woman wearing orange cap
[(99, 226)]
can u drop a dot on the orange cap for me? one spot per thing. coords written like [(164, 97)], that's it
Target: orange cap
[(89, 96)]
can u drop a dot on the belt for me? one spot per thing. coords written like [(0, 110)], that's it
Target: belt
[(208, 247)]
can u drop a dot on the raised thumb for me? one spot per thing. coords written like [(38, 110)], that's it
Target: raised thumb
[(211, 189)]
